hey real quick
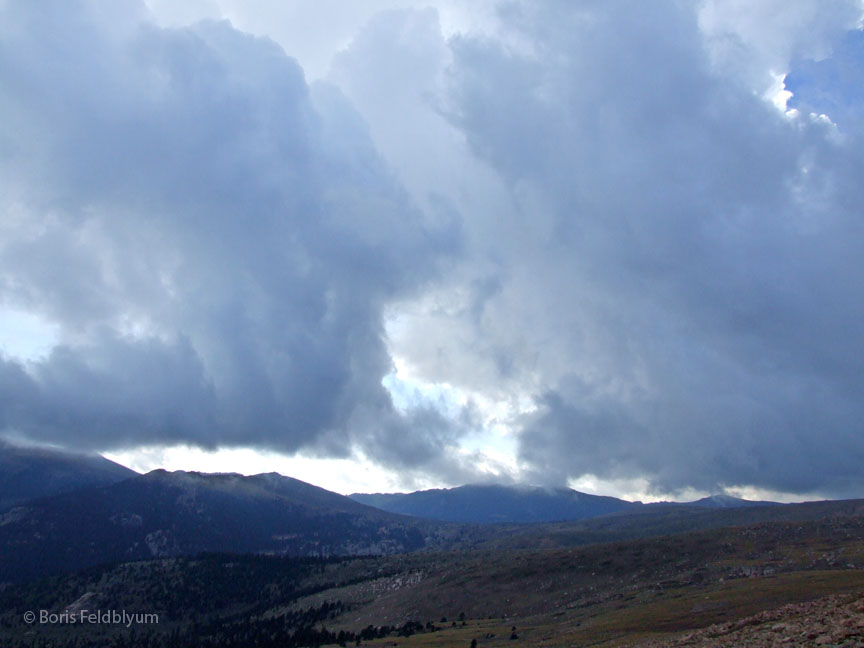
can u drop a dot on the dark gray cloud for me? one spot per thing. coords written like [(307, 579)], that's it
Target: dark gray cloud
[(677, 279), (703, 275), (593, 207), (216, 239)]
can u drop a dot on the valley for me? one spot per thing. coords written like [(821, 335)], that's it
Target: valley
[(266, 561), (620, 593)]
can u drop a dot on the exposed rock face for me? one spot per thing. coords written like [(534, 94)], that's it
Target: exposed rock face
[(831, 621)]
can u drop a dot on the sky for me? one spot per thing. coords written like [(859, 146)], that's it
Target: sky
[(400, 244)]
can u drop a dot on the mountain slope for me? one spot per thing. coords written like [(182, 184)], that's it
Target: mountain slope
[(607, 595), (172, 514), (28, 473), (661, 520), (492, 503)]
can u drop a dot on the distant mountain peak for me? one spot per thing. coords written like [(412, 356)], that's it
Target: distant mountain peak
[(487, 503), (722, 500), (723, 497)]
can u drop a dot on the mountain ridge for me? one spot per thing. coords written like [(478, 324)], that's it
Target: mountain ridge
[(164, 514), (519, 504)]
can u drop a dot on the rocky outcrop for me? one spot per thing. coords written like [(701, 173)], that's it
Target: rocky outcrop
[(830, 621)]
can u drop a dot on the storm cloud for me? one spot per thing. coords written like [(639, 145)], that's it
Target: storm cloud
[(671, 272), (216, 238), (691, 293), (598, 218)]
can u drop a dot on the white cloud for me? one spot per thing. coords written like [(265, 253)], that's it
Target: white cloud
[(25, 336), (345, 476), (756, 41)]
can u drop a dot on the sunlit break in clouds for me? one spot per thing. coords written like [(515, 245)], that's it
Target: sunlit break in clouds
[(612, 245)]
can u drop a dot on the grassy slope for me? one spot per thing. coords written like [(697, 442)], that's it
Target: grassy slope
[(605, 594), (627, 622), (623, 591), (662, 521)]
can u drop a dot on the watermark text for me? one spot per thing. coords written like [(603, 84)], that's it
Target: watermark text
[(91, 617)]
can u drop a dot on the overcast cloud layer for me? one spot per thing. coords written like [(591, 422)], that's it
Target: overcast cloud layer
[(591, 220), (216, 239)]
